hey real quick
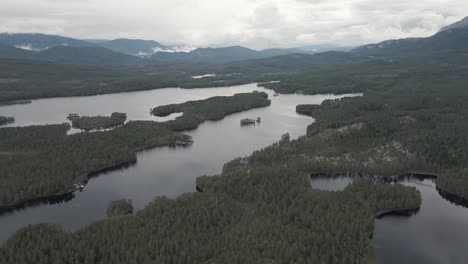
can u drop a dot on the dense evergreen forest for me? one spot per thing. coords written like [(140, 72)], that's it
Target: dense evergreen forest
[(258, 210), (38, 161), (261, 208), (120, 207), (415, 124), (214, 108), (22, 80), (25, 79), (251, 213), (88, 123), (4, 120)]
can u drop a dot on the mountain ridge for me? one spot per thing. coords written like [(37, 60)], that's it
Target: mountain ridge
[(449, 38), (39, 41), (459, 24)]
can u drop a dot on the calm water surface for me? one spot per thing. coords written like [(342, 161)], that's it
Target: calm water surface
[(436, 234), (161, 171)]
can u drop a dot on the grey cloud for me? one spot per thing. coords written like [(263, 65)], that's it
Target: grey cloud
[(252, 23)]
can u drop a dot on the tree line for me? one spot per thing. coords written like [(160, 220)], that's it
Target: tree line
[(88, 123), (214, 108), (38, 161)]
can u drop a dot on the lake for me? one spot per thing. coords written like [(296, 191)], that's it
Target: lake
[(436, 234), (161, 171)]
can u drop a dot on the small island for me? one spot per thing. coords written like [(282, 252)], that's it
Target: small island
[(214, 108), (250, 121), (119, 208), (88, 123), (4, 120)]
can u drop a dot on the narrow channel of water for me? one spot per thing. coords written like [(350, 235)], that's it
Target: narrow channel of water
[(161, 171), (436, 234)]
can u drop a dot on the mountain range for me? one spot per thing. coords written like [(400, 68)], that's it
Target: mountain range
[(135, 47), (123, 52), (219, 55), (81, 55), (38, 42), (135, 52)]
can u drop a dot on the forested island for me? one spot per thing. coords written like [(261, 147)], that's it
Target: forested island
[(41, 161), (88, 123), (214, 108), (6, 120)]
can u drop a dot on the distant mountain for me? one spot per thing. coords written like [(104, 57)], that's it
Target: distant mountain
[(36, 41), (450, 38), (297, 62), (90, 56), (96, 41), (97, 56), (135, 47), (324, 48), (460, 24), (10, 52), (279, 52), (219, 55), (206, 55)]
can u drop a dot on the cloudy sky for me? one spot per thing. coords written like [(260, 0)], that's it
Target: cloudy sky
[(251, 23)]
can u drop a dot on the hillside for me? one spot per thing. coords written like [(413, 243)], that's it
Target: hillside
[(460, 24), (450, 38), (219, 55), (37, 41), (90, 56), (136, 47), (291, 63), (96, 56), (10, 52)]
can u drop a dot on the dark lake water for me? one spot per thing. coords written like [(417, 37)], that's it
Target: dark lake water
[(436, 234), (160, 171)]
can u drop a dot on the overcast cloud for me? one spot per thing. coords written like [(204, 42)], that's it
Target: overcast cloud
[(251, 23)]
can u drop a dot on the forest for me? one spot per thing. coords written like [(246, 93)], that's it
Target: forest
[(88, 123), (4, 120), (40, 161), (261, 208), (251, 213), (214, 108), (120, 207), (22, 80), (417, 124)]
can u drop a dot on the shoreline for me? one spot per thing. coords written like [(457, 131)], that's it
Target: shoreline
[(29, 100), (452, 197), (69, 195), (398, 211)]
